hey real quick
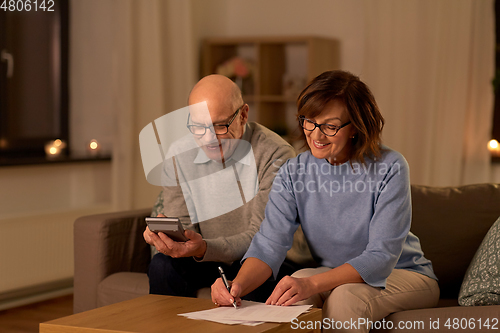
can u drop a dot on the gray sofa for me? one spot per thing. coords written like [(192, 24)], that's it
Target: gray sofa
[(111, 257)]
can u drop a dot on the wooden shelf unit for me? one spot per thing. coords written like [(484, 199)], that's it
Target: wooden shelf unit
[(273, 58)]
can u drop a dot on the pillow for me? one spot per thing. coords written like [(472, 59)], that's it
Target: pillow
[(157, 209), (481, 285)]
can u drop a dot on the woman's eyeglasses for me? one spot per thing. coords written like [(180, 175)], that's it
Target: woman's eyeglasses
[(326, 129)]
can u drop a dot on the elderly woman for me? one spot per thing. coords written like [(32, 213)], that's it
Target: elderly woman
[(351, 195)]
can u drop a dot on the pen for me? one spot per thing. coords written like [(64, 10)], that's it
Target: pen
[(223, 276)]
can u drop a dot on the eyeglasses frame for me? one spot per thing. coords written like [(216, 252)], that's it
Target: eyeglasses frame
[(211, 127), (338, 128)]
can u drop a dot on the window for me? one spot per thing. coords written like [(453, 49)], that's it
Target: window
[(33, 79)]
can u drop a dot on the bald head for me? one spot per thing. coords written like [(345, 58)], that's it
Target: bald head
[(218, 91), (225, 107)]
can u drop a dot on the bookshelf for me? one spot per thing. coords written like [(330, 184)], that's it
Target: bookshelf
[(281, 68)]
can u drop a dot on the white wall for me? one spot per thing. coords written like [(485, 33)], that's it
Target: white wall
[(38, 207), (40, 189), (337, 19)]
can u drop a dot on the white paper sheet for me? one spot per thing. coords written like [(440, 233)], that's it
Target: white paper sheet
[(252, 313), (224, 321)]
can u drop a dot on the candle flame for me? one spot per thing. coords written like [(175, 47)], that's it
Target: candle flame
[(94, 144)]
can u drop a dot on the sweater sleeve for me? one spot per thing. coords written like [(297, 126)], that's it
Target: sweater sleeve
[(389, 226), (175, 201), (275, 236), (229, 249)]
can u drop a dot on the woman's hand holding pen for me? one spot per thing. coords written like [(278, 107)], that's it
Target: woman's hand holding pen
[(222, 297), (287, 292), (251, 275)]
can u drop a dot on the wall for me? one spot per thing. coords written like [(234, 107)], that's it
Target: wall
[(38, 207), (41, 189), (337, 19), (495, 173)]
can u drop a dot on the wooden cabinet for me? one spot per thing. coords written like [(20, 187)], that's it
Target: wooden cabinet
[(281, 68)]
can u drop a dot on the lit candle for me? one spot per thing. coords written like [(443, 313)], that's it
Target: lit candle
[(494, 147), (54, 148), (94, 147)]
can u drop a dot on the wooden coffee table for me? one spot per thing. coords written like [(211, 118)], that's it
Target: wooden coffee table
[(155, 313)]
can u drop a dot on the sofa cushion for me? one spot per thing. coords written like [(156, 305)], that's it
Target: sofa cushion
[(121, 287), (451, 222), (481, 284)]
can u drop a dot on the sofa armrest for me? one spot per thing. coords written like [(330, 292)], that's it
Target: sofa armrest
[(105, 244)]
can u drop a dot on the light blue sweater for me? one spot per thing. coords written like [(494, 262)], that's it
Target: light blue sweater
[(359, 215)]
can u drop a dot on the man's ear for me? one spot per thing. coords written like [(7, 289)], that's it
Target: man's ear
[(244, 113)]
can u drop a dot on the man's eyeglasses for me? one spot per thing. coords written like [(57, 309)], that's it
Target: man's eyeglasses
[(326, 129), (216, 129)]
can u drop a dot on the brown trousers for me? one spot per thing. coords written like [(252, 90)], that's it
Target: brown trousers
[(356, 307)]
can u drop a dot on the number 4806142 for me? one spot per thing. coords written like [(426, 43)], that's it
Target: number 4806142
[(27, 5), (472, 323)]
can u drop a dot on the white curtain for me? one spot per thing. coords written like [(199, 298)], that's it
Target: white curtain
[(430, 65), (154, 68)]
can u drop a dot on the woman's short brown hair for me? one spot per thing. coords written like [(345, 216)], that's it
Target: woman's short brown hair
[(360, 104)]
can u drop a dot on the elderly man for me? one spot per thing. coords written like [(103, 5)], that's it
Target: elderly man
[(225, 142)]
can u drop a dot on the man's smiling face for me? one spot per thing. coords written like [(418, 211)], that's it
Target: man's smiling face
[(224, 103)]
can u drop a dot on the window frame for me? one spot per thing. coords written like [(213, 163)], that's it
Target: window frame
[(13, 146)]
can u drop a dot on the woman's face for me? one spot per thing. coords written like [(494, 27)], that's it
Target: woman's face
[(333, 148)]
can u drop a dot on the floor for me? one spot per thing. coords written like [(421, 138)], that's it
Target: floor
[(26, 319)]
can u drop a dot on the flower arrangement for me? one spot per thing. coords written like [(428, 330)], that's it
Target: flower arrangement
[(239, 70), (235, 67)]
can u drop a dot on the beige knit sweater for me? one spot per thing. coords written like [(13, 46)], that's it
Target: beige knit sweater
[(228, 236)]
